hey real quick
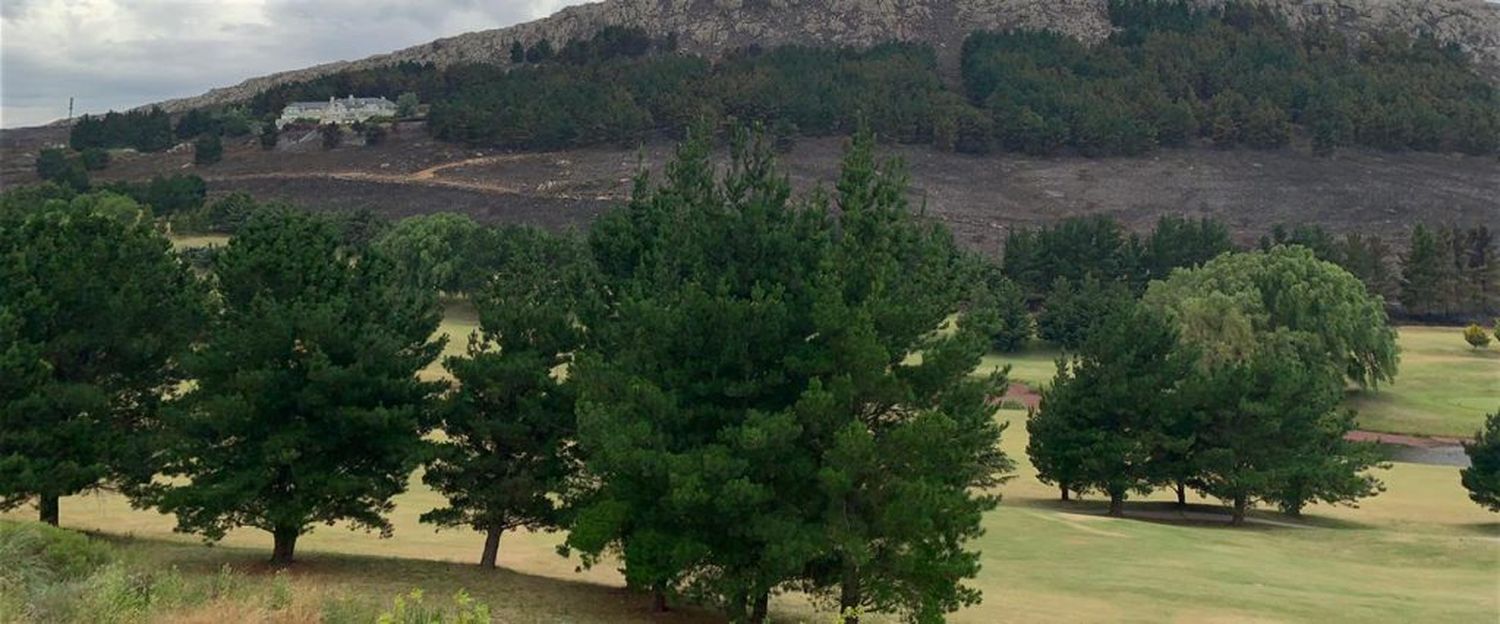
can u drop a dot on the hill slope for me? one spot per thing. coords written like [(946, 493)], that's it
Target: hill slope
[(711, 27)]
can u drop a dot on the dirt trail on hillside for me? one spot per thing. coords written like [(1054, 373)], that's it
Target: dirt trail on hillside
[(429, 176)]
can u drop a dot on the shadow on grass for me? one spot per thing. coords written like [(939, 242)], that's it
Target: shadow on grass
[(1190, 515)]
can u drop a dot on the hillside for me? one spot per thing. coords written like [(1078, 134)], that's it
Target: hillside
[(710, 27)]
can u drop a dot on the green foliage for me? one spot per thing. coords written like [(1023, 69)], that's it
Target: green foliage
[(1451, 274), (53, 165), (208, 150), (509, 425), (439, 252), (1476, 336), (94, 310), (1071, 312), (146, 131), (1167, 60), (517, 52), (1106, 419), (166, 196), (1482, 477), (406, 104), (1229, 306), (414, 609), (752, 363), (1012, 323), (94, 158), (310, 368), (269, 136), (229, 213), (1272, 429)]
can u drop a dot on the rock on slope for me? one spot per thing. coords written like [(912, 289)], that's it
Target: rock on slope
[(713, 26)]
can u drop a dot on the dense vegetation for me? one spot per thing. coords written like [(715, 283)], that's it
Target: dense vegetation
[(716, 348), (1073, 270), (1172, 73)]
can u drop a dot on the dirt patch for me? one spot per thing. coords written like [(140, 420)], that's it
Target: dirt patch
[(1403, 440), (1018, 393)]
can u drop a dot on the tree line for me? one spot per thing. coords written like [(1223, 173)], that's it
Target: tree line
[(733, 391), (1072, 273), (1218, 381), (1172, 73)]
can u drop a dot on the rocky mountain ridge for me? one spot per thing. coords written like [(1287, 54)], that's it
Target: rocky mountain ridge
[(711, 27)]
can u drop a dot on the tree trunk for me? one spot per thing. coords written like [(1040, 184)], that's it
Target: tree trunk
[(659, 600), (47, 508), (1064, 488), (849, 595), (1117, 503), (1294, 509), (284, 547), (1181, 495), (491, 548), (1239, 511), (761, 609)]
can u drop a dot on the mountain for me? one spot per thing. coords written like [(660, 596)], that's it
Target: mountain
[(711, 27)]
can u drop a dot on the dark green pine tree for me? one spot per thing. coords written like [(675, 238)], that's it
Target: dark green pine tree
[(1113, 412), (94, 310), (682, 415), (1482, 477), (517, 52), (1422, 274), (889, 431), (508, 426), (307, 408), (1270, 423)]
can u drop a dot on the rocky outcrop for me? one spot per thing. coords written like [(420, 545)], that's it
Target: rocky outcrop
[(711, 27)]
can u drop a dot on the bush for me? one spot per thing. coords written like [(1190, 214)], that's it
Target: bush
[(332, 136), (1476, 336), (208, 150), (95, 158), (35, 552)]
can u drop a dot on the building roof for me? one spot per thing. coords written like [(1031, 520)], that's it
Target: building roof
[(349, 101)]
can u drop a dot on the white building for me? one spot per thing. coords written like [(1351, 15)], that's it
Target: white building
[(345, 111)]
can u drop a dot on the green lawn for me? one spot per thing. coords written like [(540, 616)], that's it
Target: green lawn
[(1419, 552), (1444, 388)]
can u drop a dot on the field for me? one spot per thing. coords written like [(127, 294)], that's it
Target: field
[(1419, 552), (1444, 389)]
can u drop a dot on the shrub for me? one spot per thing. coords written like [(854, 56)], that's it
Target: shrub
[(332, 136), (95, 158), (208, 150), (1476, 336)]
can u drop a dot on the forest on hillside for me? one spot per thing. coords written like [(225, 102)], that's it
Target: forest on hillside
[(1171, 74)]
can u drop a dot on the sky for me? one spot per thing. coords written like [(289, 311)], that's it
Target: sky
[(119, 54)]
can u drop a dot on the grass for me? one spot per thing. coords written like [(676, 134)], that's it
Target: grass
[(1444, 387), (189, 241), (1419, 552)]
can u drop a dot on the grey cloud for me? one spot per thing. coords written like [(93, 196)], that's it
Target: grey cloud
[(185, 47)]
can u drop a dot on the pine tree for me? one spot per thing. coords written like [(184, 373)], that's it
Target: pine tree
[(307, 408), (508, 427), (94, 311), (1482, 477), (1115, 408)]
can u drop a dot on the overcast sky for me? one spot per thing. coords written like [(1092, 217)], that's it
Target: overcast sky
[(118, 54)]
